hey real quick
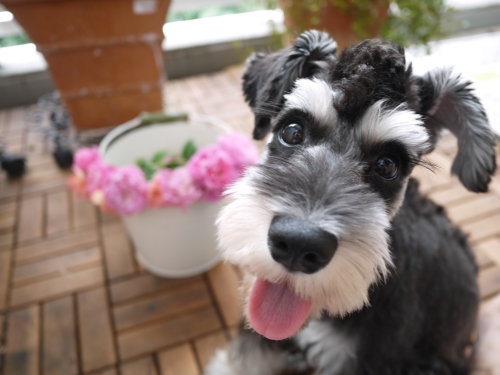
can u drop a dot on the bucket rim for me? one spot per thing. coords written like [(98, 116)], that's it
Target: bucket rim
[(137, 123)]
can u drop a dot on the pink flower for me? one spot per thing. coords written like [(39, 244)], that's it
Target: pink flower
[(177, 187), (85, 157), (97, 198), (213, 170), (98, 175), (78, 184), (126, 191), (155, 198), (240, 148)]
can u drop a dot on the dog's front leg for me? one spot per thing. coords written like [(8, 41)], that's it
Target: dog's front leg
[(252, 354), (328, 350)]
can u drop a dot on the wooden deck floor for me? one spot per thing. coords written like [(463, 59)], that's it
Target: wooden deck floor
[(74, 301)]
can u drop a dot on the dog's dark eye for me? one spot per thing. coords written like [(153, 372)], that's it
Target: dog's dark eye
[(292, 134), (386, 167)]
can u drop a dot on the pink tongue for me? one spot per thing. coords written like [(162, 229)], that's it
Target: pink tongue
[(275, 311)]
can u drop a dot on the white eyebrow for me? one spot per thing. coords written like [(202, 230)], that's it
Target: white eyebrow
[(313, 96), (398, 124)]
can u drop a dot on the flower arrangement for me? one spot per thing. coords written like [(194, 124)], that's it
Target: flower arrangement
[(165, 180)]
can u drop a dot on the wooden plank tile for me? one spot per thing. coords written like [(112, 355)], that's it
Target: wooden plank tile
[(57, 212), (143, 366), (22, 342), (9, 189), (440, 176), (56, 245), (482, 260), (7, 216), (454, 194), (117, 250), (479, 206), (57, 286), (4, 114), (110, 371), (175, 302), (15, 143), (225, 283), (43, 187), (59, 338), (96, 336), (448, 143), (495, 183), (491, 249), (207, 346), (15, 120), (42, 174), (5, 261), (223, 82), (143, 285), (441, 161), (2, 318), (58, 265), (36, 148), (430, 180), (107, 218), (488, 331), (44, 161), (6, 241), (156, 336), (489, 281), (180, 360), (480, 372), (31, 219), (483, 228), (84, 213)]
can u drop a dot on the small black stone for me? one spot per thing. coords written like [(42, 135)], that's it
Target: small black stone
[(14, 165), (63, 157)]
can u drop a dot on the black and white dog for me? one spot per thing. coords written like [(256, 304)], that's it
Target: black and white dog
[(349, 270)]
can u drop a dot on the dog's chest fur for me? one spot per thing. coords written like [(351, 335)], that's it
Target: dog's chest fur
[(429, 283), (327, 349)]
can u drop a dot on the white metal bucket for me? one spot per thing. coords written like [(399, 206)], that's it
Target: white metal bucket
[(169, 241)]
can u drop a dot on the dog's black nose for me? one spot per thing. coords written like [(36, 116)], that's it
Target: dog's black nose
[(300, 245)]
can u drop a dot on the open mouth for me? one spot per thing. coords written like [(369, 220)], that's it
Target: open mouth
[(275, 311)]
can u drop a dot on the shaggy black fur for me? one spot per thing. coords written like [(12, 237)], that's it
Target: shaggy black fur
[(268, 77), (420, 320), (368, 72)]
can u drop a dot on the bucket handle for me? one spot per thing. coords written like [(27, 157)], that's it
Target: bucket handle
[(153, 118)]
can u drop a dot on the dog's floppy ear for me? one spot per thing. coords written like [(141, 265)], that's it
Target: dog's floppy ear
[(268, 77), (448, 102)]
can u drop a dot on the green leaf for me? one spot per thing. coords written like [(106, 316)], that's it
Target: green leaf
[(148, 118), (147, 168), (189, 150), (158, 157), (173, 165)]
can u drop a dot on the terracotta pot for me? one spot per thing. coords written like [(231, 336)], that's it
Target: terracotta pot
[(104, 55), (330, 18)]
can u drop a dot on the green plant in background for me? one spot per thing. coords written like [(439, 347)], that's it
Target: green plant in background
[(14, 40), (246, 6), (417, 22), (161, 160), (409, 22)]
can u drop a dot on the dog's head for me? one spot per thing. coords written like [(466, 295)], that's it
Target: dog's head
[(309, 223)]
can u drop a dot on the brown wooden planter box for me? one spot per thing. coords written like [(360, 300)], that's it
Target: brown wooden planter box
[(104, 55)]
